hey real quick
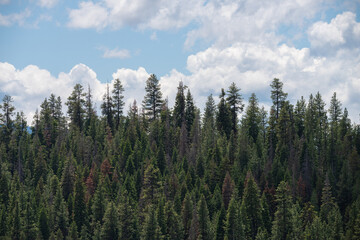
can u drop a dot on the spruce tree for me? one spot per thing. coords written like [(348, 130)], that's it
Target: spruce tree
[(251, 208), (204, 220), (234, 99), (153, 99), (234, 228), (179, 107), (118, 102), (282, 226), (76, 106), (223, 116), (110, 228)]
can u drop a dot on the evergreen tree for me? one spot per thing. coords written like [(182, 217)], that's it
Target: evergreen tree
[(251, 120), (251, 208), (79, 203), (151, 229), (282, 227), (110, 228), (189, 111), (234, 100), (174, 227), (187, 207), (118, 102), (43, 225), (223, 116), (204, 220), (76, 106), (153, 99), (233, 226), (107, 108), (277, 95), (179, 107)]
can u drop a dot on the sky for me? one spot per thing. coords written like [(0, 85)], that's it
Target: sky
[(48, 46)]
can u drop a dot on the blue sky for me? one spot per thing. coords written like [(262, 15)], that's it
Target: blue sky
[(50, 45)]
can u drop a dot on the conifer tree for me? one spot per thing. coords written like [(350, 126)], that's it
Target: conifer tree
[(153, 99), (151, 229), (174, 227), (118, 102), (282, 227), (251, 208), (251, 120), (76, 105), (79, 203), (179, 107), (204, 220), (233, 226), (43, 225), (107, 107), (277, 95), (234, 99), (186, 213), (223, 116), (110, 228)]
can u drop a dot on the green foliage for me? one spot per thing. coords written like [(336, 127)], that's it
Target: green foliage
[(177, 173), (110, 228)]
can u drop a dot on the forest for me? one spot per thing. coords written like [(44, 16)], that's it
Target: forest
[(227, 171)]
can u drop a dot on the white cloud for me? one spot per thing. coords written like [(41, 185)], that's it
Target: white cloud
[(89, 15), (14, 18), (222, 21), (252, 68), (134, 83), (31, 85), (47, 3), (342, 31), (116, 53)]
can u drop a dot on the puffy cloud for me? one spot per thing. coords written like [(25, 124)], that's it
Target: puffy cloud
[(47, 3), (14, 18), (89, 15), (252, 67), (116, 53), (342, 32), (223, 21), (31, 85), (134, 83)]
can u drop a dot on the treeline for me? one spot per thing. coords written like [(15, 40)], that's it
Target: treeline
[(160, 173)]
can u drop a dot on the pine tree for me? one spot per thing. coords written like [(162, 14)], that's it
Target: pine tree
[(43, 225), (153, 99), (227, 189), (76, 105), (233, 226), (151, 229), (174, 227), (179, 107), (282, 227), (251, 120), (79, 203), (118, 102), (204, 220), (186, 213), (223, 116), (107, 107), (189, 111), (110, 228), (251, 207), (277, 95), (234, 100), (127, 219)]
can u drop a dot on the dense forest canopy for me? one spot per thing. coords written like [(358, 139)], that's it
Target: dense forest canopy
[(160, 173)]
